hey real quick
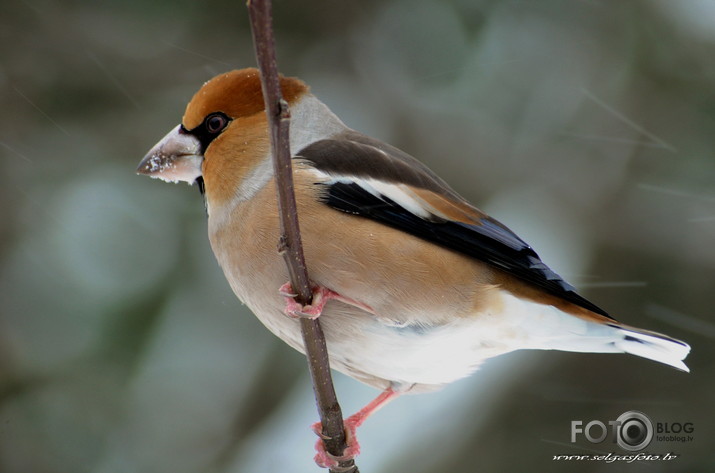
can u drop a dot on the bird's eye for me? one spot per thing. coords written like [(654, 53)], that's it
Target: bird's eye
[(216, 122)]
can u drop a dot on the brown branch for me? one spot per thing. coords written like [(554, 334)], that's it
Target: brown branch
[(290, 244)]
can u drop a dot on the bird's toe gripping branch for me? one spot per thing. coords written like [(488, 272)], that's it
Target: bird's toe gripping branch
[(321, 296), (327, 460)]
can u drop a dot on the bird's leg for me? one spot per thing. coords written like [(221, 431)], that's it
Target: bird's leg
[(321, 295), (323, 458)]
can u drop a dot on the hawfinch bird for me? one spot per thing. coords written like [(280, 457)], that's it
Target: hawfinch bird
[(415, 287)]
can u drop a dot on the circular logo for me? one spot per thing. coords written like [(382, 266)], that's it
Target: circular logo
[(635, 431)]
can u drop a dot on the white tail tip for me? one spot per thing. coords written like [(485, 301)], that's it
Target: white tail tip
[(653, 345)]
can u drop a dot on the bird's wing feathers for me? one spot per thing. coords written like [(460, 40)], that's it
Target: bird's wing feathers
[(368, 178)]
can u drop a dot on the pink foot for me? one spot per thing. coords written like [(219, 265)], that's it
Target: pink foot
[(321, 296), (325, 459)]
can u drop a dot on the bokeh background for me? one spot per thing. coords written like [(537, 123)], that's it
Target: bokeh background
[(588, 126)]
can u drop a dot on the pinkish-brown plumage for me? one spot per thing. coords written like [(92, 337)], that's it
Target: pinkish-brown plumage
[(427, 285)]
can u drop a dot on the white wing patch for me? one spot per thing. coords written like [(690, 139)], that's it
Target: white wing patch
[(398, 193)]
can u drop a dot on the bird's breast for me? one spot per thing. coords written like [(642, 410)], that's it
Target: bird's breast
[(434, 312)]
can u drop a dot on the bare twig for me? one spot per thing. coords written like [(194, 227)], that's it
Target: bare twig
[(290, 244)]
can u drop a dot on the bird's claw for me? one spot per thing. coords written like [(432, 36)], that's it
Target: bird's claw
[(321, 296), (295, 310), (325, 459)]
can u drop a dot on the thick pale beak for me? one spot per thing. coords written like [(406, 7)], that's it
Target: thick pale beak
[(177, 157)]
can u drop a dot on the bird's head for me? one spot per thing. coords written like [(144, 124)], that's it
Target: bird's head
[(222, 136)]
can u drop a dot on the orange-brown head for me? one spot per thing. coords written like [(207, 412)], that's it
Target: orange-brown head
[(223, 134), (237, 94)]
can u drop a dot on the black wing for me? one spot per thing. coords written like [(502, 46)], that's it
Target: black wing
[(487, 239)]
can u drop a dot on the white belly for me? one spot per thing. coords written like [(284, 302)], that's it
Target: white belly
[(363, 346)]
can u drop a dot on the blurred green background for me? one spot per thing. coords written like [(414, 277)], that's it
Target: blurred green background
[(586, 126)]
